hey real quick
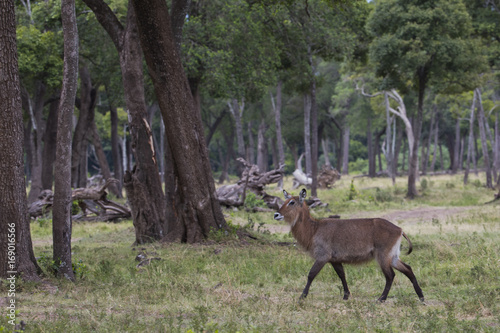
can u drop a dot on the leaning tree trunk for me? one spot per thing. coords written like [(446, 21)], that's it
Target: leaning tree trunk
[(199, 211), (14, 219), (61, 211)]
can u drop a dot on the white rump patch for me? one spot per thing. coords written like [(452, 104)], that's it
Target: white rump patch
[(395, 252)]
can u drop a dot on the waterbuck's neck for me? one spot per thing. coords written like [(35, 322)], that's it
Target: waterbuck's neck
[(304, 228)]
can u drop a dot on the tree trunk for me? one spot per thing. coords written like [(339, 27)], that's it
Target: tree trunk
[(497, 149), (115, 149), (436, 135), (307, 133), (388, 152), (470, 147), (83, 126), (456, 148), (413, 160), (484, 143), (371, 154), (49, 146), (199, 211), (324, 145), (250, 157), (262, 150), (397, 149), (35, 110), (314, 138), (237, 112), (16, 249), (61, 209), (277, 120), (345, 149)]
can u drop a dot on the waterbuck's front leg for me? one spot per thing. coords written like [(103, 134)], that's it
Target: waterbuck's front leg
[(316, 268), (340, 272)]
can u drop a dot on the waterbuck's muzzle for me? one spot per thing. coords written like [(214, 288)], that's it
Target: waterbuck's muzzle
[(278, 216)]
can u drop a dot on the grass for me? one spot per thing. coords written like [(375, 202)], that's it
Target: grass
[(253, 285)]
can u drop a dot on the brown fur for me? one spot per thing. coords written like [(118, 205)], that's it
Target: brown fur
[(351, 241)]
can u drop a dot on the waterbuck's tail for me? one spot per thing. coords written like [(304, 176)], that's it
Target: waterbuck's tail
[(409, 243)]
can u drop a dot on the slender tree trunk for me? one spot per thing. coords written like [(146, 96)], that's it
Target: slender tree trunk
[(345, 149), (251, 145), (262, 151), (115, 149), (436, 135), (277, 120), (236, 109), (307, 133), (61, 209), (471, 139), (324, 144), (16, 249), (461, 156), (484, 144), (314, 138), (413, 160), (456, 148), (371, 153), (389, 156), (397, 149), (83, 126), (497, 149), (49, 146), (199, 210)]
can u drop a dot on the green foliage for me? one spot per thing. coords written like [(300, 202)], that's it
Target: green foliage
[(252, 201), (352, 192)]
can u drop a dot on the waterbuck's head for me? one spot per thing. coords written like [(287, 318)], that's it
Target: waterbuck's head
[(292, 208)]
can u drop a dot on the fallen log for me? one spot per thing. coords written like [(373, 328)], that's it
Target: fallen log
[(89, 199)]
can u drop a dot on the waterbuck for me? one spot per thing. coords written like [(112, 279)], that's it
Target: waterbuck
[(353, 241)]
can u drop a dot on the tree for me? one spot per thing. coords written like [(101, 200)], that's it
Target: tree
[(14, 217), (143, 184), (199, 212), (61, 210), (423, 42)]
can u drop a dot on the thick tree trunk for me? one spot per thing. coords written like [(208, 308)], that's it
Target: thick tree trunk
[(61, 211), (497, 149), (49, 146), (484, 144), (16, 249), (199, 210)]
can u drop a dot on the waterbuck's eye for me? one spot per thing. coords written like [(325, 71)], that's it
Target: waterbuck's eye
[(291, 203)]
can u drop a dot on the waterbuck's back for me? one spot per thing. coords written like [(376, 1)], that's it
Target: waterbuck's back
[(355, 240)]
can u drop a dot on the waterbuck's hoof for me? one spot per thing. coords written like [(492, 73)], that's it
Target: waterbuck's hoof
[(346, 297), (422, 299)]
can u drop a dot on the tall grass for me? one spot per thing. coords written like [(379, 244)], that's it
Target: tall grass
[(252, 285)]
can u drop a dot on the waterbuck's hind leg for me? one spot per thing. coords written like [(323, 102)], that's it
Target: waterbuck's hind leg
[(406, 270), (340, 272), (315, 269), (389, 278)]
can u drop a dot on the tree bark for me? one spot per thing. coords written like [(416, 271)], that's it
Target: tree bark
[(307, 133), (14, 220), (199, 211), (482, 132), (371, 153), (277, 121), (251, 145), (236, 109), (49, 146), (61, 211), (314, 138)]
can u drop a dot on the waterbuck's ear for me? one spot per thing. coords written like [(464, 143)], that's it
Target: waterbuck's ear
[(302, 195), (287, 196)]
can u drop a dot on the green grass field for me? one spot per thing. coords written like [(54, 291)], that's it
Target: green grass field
[(232, 284)]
